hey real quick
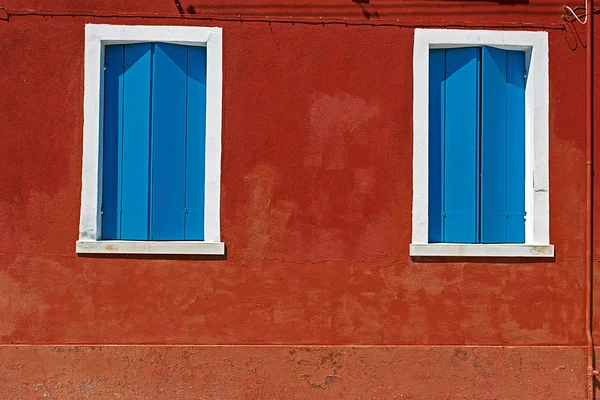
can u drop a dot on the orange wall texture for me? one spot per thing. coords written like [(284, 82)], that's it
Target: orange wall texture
[(317, 296)]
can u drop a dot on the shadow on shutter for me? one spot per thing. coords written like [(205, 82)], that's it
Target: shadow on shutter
[(196, 143), (437, 79), (111, 162)]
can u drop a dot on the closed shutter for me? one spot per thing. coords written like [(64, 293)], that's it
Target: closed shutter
[(503, 146), (126, 142), (154, 142), (168, 141), (454, 140)]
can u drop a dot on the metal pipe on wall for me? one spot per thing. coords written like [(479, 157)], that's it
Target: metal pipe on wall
[(589, 226)]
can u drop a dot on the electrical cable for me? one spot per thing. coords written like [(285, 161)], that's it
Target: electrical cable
[(411, 23), (569, 9)]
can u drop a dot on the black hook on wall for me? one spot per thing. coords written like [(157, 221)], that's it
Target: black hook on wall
[(178, 5)]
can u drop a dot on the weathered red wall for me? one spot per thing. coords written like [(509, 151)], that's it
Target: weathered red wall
[(315, 209), (224, 372)]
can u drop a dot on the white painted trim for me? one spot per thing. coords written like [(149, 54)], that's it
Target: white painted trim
[(96, 38), (480, 250), (149, 247), (214, 83), (535, 44)]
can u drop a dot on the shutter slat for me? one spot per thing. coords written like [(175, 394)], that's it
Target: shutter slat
[(113, 89), (515, 200), (135, 142), (437, 67), (196, 143), (493, 146), (461, 146), (168, 142)]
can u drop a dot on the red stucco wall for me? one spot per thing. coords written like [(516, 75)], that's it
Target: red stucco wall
[(316, 217)]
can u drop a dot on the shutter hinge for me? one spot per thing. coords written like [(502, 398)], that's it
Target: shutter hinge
[(104, 67), (525, 74), (516, 214), (444, 214), (185, 211)]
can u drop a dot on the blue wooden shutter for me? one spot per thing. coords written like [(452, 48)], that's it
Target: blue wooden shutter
[(168, 141), (503, 146), (111, 182), (178, 142), (460, 146), (136, 140), (437, 103), (453, 145), (196, 144), (154, 142), (126, 142)]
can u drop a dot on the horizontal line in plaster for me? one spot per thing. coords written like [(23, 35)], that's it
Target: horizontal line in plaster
[(292, 345)]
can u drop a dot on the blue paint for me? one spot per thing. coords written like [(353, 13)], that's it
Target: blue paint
[(493, 146), (135, 142), (503, 147), (477, 146), (515, 95), (437, 78), (195, 144), (169, 88), (111, 199), (154, 142), (461, 131)]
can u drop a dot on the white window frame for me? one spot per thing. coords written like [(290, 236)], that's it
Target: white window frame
[(97, 36), (537, 229)]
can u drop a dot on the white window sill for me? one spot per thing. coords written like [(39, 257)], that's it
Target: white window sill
[(481, 250), (149, 247)]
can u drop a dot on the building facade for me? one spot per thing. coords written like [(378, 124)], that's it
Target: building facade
[(311, 260)]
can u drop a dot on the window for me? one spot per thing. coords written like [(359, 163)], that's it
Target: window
[(153, 144), (151, 163), (476, 145), (480, 144)]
